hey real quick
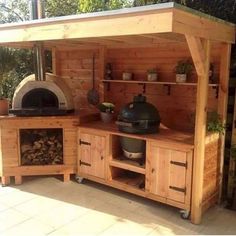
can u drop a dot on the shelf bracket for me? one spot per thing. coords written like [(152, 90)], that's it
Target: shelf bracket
[(107, 86), (168, 88), (217, 90), (144, 87)]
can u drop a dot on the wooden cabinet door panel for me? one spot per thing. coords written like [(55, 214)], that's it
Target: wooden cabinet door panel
[(158, 171), (98, 156), (177, 176), (85, 153), (167, 172)]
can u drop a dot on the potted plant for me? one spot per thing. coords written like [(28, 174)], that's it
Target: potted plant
[(182, 70), (152, 74), (106, 111), (127, 75), (214, 123), (4, 103)]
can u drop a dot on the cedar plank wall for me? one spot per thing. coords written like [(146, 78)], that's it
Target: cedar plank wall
[(176, 110), (211, 173), (76, 69)]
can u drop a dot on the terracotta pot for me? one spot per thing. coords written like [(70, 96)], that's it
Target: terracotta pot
[(4, 107), (181, 78), (106, 117)]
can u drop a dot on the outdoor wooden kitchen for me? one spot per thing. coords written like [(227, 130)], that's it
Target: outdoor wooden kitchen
[(183, 163)]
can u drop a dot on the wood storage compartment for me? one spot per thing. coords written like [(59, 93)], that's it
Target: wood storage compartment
[(37, 146), (41, 146)]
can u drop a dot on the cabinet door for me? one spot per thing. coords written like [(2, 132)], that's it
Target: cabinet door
[(98, 156), (92, 154), (168, 173), (177, 176)]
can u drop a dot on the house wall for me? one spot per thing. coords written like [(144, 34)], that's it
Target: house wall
[(177, 109)]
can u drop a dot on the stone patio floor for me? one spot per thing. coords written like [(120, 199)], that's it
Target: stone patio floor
[(48, 206)]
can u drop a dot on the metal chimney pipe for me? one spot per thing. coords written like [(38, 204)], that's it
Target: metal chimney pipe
[(37, 12)]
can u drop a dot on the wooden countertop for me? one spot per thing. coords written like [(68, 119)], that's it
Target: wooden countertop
[(165, 137)]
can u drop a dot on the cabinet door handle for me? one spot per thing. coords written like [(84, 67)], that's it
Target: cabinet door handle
[(153, 170), (179, 163), (102, 157), (83, 142), (84, 163), (182, 190)]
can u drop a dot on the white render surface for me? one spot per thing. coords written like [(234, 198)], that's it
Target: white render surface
[(52, 83), (48, 206)]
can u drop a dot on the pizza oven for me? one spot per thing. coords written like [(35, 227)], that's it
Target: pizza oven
[(46, 97)]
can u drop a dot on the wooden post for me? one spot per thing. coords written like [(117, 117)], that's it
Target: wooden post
[(54, 61), (18, 179), (200, 53), (102, 65), (222, 102)]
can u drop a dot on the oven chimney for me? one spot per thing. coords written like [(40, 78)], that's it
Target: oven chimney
[(37, 12)]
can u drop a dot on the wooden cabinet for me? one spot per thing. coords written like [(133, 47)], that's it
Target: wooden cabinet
[(92, 154), (169, 173), (164, 175)]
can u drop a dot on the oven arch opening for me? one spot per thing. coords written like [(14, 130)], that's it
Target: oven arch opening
[(40, 98)]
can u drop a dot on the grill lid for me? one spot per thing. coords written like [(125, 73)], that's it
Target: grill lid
[(139, 116)]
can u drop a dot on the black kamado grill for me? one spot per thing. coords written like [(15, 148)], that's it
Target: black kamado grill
[(137, 117)]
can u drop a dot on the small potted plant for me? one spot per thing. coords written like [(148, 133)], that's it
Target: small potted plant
[(127, 75), (214, 123), (152, 74), (106, 111), (4, 103), (182, 70)]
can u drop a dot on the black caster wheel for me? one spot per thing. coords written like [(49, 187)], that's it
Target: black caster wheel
[(79, 179), (185, 214)]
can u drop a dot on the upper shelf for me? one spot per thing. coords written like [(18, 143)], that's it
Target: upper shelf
[(154, 82)]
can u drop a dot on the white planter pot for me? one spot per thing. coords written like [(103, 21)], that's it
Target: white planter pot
[(181, 78), (127, 76), (152, 77), (106, 117)]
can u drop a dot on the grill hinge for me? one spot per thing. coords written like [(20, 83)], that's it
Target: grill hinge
[(179, 163), (83, 142), (182, 190)]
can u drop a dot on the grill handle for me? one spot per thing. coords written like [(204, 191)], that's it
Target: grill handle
[(123, 123)]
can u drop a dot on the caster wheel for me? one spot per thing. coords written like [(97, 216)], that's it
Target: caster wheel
[(184, 214), (79, 179)]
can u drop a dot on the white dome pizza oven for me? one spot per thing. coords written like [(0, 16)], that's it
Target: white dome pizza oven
[(33, 97)]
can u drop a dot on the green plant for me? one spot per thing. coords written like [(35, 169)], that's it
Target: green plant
[(214, 123), (233, 152), (184, 67), (152, 71), (106, 107)]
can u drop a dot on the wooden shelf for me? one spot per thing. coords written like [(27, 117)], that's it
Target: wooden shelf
[(128, 165), (154, 82), (134, 183)]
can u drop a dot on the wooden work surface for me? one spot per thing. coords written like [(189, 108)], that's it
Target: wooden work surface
[(73, 120), (165, 136)]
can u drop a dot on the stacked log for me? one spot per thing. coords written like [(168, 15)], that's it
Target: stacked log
[(41, 146)]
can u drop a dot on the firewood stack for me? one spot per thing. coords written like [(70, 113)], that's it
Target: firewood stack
[(41, 147)]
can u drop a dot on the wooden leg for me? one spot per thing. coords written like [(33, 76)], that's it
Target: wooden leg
[(5, 180), (66, 177), (18, 179)]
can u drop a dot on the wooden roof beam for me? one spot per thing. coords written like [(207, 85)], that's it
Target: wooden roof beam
[(198, 54), (200, 25)]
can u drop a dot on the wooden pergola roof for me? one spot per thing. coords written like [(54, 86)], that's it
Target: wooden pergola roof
[(146, 24)]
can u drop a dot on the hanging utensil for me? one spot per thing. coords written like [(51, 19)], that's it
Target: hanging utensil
[(93, 95)]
